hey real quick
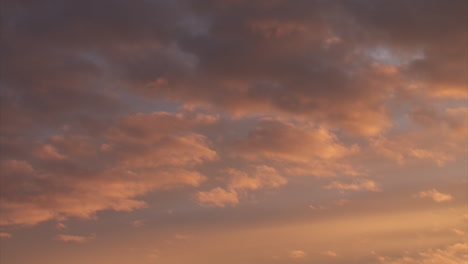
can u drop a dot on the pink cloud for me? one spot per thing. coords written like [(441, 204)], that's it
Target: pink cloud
[(74, 238), (217, 197), (360, 185), (452, 254), (435, 195), (92, 179), (5, 235), (261, 177), (297, 254)]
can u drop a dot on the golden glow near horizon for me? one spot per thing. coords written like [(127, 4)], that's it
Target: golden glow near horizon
[(207, 132)]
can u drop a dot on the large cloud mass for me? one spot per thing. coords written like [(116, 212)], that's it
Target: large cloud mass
[(91, 90)]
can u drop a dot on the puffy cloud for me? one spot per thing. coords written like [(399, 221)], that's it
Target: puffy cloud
[(74, 238), (238, 183), (277, 58), (298, 148), (359, 185), (406, 147), (435, 195), (262, 177), (286, 141), (217, 197), (129, 158), (330, 74), (337, 63), (453, 254)]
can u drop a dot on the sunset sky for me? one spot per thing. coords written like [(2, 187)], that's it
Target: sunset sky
[(234, 132)]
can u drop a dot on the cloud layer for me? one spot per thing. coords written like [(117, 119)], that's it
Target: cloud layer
[(236, 118)]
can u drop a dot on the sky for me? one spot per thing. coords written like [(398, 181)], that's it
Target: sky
[(234, 132)]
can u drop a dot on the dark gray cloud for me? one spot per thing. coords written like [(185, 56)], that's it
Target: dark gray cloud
[(68, 60)]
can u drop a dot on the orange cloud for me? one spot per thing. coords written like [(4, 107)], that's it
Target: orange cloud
[(217, 197), (361, 185), (262, 177), (297, 254), (238, 183), (5, 235), (141, 157), (435, 195), (453, 254), (330, 253), (297, 148), (286, 141), (74, 238), (404, 149)]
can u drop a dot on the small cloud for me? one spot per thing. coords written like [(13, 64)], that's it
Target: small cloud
[(458, 232), (60, 226), (330, 253), (5, 235), (330, 205), (297, 254), (362, 185), (341, 202), (182, 237), (262, 177), (465, 217), (48, 152), (317, 207), (217, 197), (435, 195), (74, 238), (153, 255), (138, 223), (451, 254)]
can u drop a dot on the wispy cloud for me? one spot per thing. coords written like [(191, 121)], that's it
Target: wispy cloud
[(5, 235), (74, 238), (435, 195), (297, 254), (360, 185)]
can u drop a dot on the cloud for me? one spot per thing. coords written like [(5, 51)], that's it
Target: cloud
[(239, 182), (284, 60), (435, 195), (297, 254), (319, 60), (182, 237), (360, 185), (285, 141), (317, 81), (298, 148), (138, 223), (134, 155), (452, 254), (5, 235), (60, 226), (408, 147), (330, 253), (330, 205), (458, 232), (217, 197), (262, 177), (74, 238)]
